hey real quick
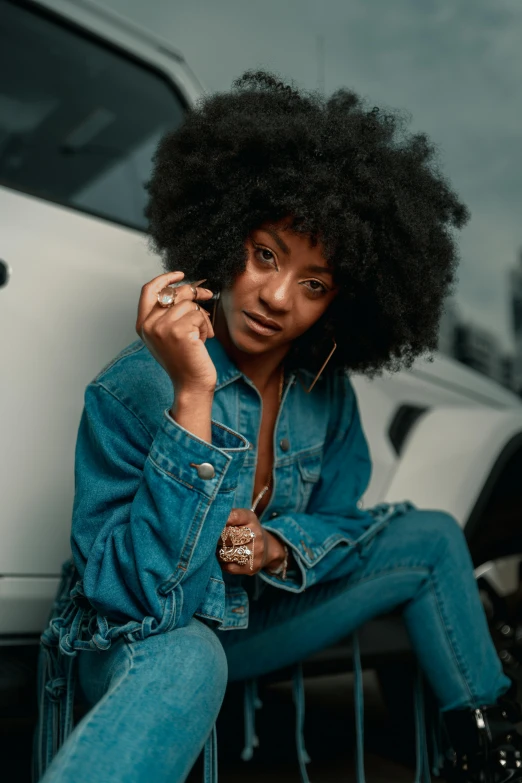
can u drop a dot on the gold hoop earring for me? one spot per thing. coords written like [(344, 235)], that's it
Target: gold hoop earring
[(320, 371), (213, 318)]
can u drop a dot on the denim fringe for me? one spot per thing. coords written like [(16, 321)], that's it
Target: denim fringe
[(73, 625), (251, 703), (422, 767), (299, 701), (422, 764), (359, 708), (438, 742)]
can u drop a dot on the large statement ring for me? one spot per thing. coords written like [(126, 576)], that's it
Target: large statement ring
[(238, 552), (167, 296)]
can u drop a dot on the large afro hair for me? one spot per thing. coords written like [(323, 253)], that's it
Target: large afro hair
[(346, 174)]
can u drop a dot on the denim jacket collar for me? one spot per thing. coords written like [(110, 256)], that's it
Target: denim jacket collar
[(228, 372)]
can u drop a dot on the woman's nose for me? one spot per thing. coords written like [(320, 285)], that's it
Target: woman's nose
[(276, 293)]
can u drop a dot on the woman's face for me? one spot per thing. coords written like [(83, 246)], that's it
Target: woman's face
[(286, 281)]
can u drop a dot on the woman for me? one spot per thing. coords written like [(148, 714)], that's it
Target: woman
[(217, 528)]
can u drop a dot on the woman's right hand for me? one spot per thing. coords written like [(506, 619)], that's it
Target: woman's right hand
[(176, 335)]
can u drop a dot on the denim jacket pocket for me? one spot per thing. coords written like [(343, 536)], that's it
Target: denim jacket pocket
[(237, 608), (309, 469)]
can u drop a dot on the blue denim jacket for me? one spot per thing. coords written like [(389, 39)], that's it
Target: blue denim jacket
[(145, 525)]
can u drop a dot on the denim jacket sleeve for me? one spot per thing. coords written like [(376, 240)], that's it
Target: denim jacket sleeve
[(323, 540), (145, 526)]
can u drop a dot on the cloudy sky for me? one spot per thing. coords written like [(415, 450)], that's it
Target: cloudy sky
[(455, 66)]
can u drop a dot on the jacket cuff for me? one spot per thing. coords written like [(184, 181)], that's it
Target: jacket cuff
[(174, 449), (295, 581), (296, 576), (306, 549)]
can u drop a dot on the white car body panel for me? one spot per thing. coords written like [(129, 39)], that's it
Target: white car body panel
[(449, 456), (63, 336), (24, 605), (69, 307)]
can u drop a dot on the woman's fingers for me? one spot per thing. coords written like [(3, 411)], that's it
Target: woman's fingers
[(185, 308), (234, 568), (209, 322), (149, 306), (204, 326), (239, 517), (187, 290), (243, 516), (150, 291), (187, 318)]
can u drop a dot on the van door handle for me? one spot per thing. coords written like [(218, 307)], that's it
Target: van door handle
[(5, 273)]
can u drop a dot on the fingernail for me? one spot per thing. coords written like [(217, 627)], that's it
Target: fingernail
[(209, 291)]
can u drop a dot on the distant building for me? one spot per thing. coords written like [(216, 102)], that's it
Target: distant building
[(447, 328), (480, 350), (515, 279)]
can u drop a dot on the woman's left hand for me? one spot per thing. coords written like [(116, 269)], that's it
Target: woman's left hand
[(268, 550)]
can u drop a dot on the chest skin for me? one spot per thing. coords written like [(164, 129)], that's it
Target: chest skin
[(265, 451)]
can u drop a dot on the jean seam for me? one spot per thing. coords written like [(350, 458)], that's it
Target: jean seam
[(111, 670), (102, 385), (385, 572), (82, 730), (462, 669), (350, 587), (433, 587), (453, 647), (176, 478)]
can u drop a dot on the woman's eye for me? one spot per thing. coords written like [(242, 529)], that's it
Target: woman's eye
[(260, 251), (321, 289)]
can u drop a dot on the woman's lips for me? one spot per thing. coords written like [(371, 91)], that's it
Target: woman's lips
[(257, 327)]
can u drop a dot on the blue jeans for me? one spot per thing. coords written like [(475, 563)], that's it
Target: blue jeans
[(156, 701)]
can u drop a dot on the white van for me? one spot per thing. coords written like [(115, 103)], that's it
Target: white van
[(84, 98)]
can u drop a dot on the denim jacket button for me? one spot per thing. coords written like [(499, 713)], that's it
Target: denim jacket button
[(284, 444), (205, 470)]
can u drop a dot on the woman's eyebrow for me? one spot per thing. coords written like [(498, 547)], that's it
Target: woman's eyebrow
[(277, 239), (315, 268)]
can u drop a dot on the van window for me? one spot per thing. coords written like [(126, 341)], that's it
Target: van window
[(78, 121)]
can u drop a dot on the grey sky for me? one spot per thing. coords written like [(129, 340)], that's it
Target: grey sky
[(456, 67)]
